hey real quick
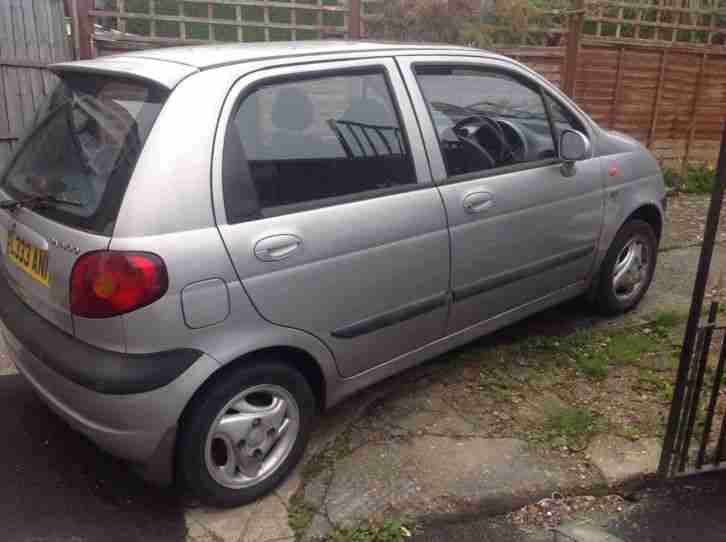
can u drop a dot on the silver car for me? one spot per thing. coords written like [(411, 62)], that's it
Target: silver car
[(203, 247)]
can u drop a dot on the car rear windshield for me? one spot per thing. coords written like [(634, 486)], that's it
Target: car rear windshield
[(82, 148)]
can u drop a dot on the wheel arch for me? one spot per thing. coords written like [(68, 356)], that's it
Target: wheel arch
[(293, 356), (648, 212)]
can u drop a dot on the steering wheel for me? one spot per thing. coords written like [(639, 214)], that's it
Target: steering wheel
[(503, 155)]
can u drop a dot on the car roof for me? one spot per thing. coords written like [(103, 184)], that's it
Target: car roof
[(210, 56), (168, 66)]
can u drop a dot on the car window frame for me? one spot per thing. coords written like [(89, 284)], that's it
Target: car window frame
[(246, 85), (534, 86), (407, 63)]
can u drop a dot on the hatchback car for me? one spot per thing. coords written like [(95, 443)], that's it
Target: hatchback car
[(204, 246)]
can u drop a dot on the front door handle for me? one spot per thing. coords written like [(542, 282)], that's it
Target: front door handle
[(277, 247), (478, 202)]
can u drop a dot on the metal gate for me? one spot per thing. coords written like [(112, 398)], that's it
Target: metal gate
[(695, 439)]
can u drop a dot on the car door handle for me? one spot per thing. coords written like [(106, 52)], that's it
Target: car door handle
[(277, 247), (478, 202)]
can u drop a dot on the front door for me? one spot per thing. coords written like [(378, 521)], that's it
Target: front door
[(522, 228), (332, 220)]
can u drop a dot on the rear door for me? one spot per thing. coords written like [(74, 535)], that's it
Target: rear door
[(81, 151), (521, 228), (328, 209)]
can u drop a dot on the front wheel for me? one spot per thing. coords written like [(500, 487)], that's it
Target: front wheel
[(245, 433), (628, 268)]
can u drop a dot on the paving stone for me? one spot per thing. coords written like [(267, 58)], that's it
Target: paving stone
[(319, 528), (416, 477), (268, 522), (290, 486), (436, 423), (223, 525), (577, 532), (620, 460)]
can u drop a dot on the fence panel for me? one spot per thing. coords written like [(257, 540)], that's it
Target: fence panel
[(32, 35), (672, 99)]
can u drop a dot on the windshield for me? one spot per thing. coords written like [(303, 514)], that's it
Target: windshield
[(82, 148)]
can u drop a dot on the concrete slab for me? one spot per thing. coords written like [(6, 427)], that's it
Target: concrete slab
[(620, 460), (428, 475)]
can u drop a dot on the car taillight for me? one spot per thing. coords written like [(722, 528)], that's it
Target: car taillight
[(109, 283)]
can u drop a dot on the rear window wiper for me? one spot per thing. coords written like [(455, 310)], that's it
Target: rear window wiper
[(38, 201)]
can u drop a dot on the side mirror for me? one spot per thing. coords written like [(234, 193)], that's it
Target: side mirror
[(574, 146)]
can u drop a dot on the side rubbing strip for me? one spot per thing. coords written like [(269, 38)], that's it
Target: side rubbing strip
[(390, 318), (521, 273)]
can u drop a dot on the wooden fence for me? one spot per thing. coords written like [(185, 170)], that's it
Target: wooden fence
[(171, 21), (32, 35), (672, 99)]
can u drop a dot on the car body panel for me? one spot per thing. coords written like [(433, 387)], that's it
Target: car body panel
[(63, 244), (167, 74), (351, 269), (539, 233)]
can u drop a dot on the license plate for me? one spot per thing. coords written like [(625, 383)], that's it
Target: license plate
[(29, 258)]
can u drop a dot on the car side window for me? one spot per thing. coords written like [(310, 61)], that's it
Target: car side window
[(485, 119), (308, 140)]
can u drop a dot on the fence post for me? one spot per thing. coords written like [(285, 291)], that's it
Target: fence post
[(694, 316), (354, 19), (574, 35), (694, 109), (83, 28), (658, 93)]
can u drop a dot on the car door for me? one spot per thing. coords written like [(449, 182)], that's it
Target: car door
[(522, 226), (329, 212)]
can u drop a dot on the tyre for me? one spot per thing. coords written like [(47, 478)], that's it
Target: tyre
[(628, 268), (243, 435)]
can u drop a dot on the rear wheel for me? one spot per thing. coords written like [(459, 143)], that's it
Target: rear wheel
[(245, 433), (628, 268)]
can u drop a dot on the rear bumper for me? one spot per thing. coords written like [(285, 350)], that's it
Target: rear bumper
[(138, 427)]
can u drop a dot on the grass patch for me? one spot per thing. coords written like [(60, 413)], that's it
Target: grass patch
[(592, 365), (667, 319), (391, 530), (657, 382), (570, 422), (630, 347), (594, 351), (300, 515)]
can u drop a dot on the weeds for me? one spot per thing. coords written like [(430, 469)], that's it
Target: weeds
[(698, 179), (593, 365), (391, 530), (666, 319), (570, 421)]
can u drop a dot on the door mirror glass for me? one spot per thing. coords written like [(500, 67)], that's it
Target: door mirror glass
[(574, 146)]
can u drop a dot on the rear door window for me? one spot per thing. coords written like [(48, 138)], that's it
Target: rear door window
[(311, 141), (83, 148)]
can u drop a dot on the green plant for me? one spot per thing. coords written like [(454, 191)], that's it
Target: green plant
[(670, 177), (391, 530), (630, 347), (699, 179), (667, 319), (569, 421), (594, 365)]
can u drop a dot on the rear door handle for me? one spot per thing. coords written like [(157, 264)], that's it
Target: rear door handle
[(478, 202), (277, 247)]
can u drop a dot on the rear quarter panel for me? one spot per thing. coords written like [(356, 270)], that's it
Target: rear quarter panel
[(168, 211)]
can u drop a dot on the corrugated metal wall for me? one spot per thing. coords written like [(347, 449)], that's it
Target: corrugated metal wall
[(32, 35)]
